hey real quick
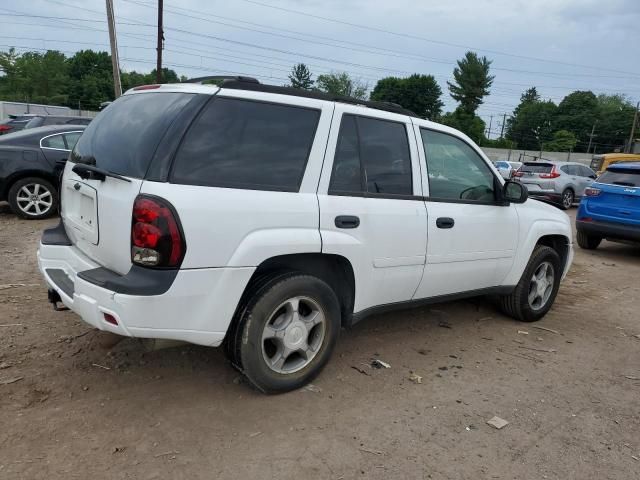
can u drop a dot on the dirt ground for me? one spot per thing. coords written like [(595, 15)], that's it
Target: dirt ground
[(72, 408)]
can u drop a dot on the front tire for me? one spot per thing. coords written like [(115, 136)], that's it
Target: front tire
[(588, 242), (567, 199), (288, 330), (537, 289), (33, 198)]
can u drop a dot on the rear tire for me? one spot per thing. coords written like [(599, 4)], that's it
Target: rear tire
[(588, 242), (567, 199), (285, 332), (537, 289), (33, 198)]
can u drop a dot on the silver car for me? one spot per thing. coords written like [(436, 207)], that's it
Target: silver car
[(561, 183), (507, 168)]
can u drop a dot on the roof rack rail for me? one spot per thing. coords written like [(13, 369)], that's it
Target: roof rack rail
[(222, 78), (239, 83)]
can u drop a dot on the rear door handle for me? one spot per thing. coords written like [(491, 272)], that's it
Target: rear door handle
[(347, 221), (445, 222)]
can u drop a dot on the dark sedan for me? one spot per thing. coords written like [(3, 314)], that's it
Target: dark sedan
[(31, 162)]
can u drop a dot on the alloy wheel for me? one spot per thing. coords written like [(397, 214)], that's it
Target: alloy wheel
[(541, 286), (34, 199)]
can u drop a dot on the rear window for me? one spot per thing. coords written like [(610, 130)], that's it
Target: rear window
[(596, 162), (537, 167), (123, 137), (247, 144), (626, 178), (35, 122)]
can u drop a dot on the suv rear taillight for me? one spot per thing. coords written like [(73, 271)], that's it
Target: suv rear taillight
[(156, 235), (517, 173), (5, 128), (552, 174), (592, 192)]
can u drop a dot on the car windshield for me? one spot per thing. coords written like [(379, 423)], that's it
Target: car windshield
[(537, 167), (627, 178)]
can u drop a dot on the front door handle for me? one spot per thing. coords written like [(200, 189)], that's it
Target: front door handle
[(445, 222), (347, 221)]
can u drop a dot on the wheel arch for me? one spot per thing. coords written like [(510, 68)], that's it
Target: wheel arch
[(335, 270)]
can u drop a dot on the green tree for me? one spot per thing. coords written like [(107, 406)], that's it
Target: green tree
[(90, 79), (531, 124), (562, 141), (300, 77), (577, 113), (615, 116), (418, 93), (342, 84), (471, 81), (466, 122)]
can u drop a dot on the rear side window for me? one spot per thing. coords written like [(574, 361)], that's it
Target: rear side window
[(372, 156), (247, 144), (54, 141), (536, 167), (626, 178), (123, 137)]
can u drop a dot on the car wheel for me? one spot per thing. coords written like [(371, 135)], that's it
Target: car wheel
[(567, 199), (537, 289), (286, 332), (33, 198), (589, 242)]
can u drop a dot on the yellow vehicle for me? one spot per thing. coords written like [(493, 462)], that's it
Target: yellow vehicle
[(599, 163)]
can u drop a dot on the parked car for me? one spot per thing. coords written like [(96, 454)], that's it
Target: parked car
[(265, 218), (599, 163), (611, 207), (31, 162), (561, 183), (14, 123), (507, 169), (44, 120)]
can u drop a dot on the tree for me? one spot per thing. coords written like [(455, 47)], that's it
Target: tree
[(577, 113), (300, 77), (615, 115), (471, 81), (532, 124), (466, 122), (418, 93), (342, 84), (529, 96), (563, 141)]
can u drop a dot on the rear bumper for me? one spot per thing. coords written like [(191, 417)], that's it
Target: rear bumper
[(609, 230), (197, 306)]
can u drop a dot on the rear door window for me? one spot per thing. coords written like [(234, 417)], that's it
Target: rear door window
[(246, 144), (373, 156), (54, 141), (123, 138)]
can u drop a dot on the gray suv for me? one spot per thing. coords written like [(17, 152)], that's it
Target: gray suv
[(560, 183)]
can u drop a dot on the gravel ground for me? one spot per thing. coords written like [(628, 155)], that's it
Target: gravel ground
[(73, 407)]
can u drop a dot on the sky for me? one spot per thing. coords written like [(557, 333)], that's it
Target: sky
[(556, 45)]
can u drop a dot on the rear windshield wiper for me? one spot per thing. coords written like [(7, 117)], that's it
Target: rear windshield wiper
[(94, 173)]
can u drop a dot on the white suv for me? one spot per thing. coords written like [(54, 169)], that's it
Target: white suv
[(265, 218)]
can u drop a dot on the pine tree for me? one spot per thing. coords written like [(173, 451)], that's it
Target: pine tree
[(471, 81), (300, 77)]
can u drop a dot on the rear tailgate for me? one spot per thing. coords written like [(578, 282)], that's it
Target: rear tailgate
[(529, 174), (121, 140)]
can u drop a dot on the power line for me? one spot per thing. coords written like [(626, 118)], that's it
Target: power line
[(439, 42)]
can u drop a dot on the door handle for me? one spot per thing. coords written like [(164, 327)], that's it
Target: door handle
[(347, 221), (445, 222)]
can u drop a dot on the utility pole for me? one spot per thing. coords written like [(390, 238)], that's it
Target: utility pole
[(160, 44), (633, 128), (115, 64), (490, 123), (504, 120), (591, 135)]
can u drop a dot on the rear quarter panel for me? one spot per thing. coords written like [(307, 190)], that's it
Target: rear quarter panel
[(19, 162)]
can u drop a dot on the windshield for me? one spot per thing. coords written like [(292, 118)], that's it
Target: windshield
[(627, 178), (123, 137), (536, 167)]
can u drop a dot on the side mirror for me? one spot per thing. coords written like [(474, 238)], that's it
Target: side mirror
[(514, 192)]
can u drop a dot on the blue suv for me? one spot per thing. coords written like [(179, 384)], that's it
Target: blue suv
[(610, 207)]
